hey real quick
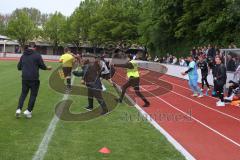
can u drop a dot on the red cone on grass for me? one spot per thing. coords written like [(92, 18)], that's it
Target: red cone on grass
[(104, 150)]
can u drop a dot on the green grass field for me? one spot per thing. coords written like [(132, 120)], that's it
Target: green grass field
[(127, 139)]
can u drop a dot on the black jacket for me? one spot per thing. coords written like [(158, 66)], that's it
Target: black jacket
[(92, 76), (220, 73), (29, 63), (231, 66), (211, 52)]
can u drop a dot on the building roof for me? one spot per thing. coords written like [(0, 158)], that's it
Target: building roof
[(9, 42), (2, 37)]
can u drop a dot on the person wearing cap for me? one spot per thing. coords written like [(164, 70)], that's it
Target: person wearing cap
[(133, 80), (67, 60), (30, 63)]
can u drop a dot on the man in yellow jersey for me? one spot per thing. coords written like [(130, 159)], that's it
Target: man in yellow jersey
[(133, 79), (67, 61)]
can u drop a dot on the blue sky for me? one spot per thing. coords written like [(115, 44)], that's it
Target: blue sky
[(66, 7)]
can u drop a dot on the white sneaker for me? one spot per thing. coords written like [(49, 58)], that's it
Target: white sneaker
[(195, 95), (230, 98), (220, 104), (18, 113), (200, 96), (27, 114)]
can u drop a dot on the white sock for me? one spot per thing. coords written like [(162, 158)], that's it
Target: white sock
[(103, 88)]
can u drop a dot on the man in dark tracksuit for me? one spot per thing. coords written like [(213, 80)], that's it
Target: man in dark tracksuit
[(134, 80), (203, 65), (220, 77), (29, 64), (92, 80)]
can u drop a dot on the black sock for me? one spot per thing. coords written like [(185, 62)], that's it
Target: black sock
[(69, 82), (221, 97)]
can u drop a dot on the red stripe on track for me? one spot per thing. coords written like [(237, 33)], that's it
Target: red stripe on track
[(199, 140)]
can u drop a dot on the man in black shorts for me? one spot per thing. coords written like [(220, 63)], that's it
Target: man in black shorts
[(67, 60)]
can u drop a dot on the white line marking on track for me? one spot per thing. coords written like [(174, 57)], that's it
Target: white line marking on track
[(215, 131), (183, 87), (177, 145), (175, 83), (225, 114)]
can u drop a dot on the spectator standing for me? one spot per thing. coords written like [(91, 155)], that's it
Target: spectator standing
[(175, 60), (193, 78), (203, 65), (220, 77), (211, 52), (231, 64)]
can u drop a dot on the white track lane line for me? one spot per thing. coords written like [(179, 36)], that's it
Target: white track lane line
[(205, 125), (43, 146), (235, 118), (183, 87), (174, 83), (225, 114), (175, 143)]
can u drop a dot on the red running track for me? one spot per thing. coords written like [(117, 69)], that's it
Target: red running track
[(207, 132)]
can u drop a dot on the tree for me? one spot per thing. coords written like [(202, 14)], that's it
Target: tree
[(35, 15), (79, 23), (21, 28), (53, 29), (116, 21), (2, 25), (158, 23)]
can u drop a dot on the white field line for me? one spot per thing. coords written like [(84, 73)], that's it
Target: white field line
[(43, 146)]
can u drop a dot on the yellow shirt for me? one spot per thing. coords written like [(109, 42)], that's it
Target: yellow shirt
[(67, 60), (133, 72)]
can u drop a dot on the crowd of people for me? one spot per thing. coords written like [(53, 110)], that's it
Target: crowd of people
[(232, 60), (210, 58)]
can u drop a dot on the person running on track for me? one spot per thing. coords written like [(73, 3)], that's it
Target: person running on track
[(203, 65), (133, 79), (193, 78)]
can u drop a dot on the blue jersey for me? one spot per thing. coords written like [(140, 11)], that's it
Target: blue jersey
[(193, 74)]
